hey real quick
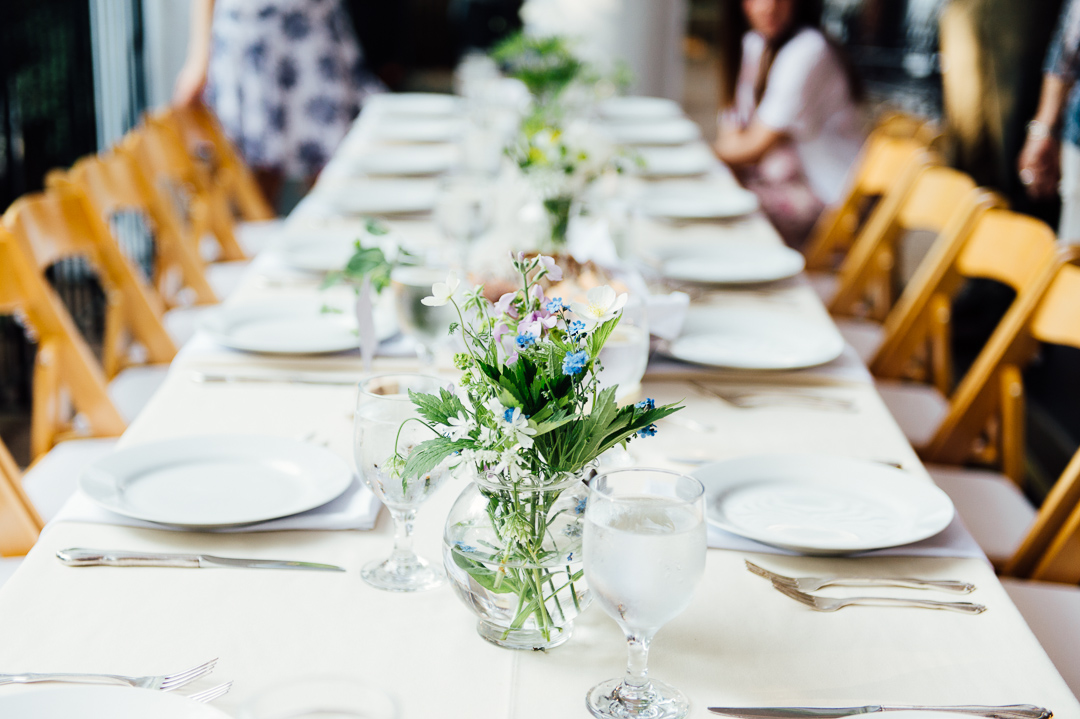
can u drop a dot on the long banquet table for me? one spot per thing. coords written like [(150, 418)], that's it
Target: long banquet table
[(739, 643)]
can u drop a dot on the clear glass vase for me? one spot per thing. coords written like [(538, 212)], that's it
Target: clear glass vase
[(513, 556)]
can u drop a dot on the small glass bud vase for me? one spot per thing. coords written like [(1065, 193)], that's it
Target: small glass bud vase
[(513, 556), (558, 214)]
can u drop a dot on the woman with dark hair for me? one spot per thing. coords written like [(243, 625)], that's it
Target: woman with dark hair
[(790, 124)]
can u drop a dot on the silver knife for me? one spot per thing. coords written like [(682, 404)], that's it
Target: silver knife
[(215, 377), (1012, 711), (77, 557)]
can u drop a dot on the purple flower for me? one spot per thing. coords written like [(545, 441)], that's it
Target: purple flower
[(505, 307), (553, 270), (500, 330), (538, 292), (541, 317)]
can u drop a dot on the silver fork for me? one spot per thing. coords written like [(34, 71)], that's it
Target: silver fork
[(754, 399), (810, 584), (164, 682), (826, 604), (209, 695)]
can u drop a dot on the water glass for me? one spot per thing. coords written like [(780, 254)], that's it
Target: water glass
[(428, 327), (464, 208), (384, 431), (644, 554), (326, 697)]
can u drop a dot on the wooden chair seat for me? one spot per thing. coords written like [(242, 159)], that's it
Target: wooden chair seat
[(864, 336), (992, 507), (918, 408), (53, 478), (1052, 611)]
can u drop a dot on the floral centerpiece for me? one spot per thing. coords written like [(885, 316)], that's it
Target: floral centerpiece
[(529, 421), (561, 163), (546, 65)]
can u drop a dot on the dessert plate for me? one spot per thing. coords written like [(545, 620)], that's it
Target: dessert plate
[(733, 263), (698, 201), (103, 702), (281, 327), (215, 480), (753, 338), (820, 504)]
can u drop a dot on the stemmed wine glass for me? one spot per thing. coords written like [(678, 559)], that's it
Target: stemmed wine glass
[(464, 209), (644, 553), (384, 426)]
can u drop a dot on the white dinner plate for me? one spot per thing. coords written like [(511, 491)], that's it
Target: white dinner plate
[(733, 263), (216, 480), (419, 130), (753, 338), (417, 103), (103, 702), (680, 161), (380, 197), (667, 131), (698, 201), (281, 327), (407, 160), (818, 504), (638, 108)]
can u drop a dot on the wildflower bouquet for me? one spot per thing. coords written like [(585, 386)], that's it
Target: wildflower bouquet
[(546, 65), (561, 163), (530, 420)]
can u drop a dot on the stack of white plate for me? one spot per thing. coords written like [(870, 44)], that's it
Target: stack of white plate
[(677, 161), (379, 197), (281, 327), (819, 504), (639, 109), (425, 104), (214, 481), (750, 338), (664, 131), (407, 160), (419, 129), (731, 263), (698, 201)]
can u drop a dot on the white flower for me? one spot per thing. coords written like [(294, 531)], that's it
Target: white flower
[(441, 292), (517, 424), (601, 305), (458, 427)]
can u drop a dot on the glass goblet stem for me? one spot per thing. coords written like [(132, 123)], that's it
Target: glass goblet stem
[(636, 682), (403, 554)]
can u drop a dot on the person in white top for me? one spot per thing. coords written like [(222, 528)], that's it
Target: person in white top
[(790, 124)]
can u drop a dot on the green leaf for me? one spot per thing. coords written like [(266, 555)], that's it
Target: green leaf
[(428, 454), (486, 577)]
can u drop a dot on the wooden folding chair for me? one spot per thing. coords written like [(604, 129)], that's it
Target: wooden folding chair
[(159, 153), (885, 162), (895, 123), (224, 168), (65, 371), (61, 223), (996, 244), (20, 523), (113, 184), (1013, 534), (939, 199)]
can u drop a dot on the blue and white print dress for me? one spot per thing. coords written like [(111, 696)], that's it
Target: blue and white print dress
[(286, 80)]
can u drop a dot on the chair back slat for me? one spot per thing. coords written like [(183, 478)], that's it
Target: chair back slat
[(65, 371), (1007, 247), (60, 223), (934, 198), (1057, 321)]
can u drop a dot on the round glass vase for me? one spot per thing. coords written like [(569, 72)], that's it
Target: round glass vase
[(513, 556)]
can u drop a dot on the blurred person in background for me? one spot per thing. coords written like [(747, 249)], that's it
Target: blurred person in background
[(1050, 159), (285, 78), (790, 124)]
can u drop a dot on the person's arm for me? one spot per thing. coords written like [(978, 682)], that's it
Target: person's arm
[(739, 147), (192, 78), (1039, 163), (1040, 159)]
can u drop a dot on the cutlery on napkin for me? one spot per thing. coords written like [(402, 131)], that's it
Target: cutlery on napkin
[(1012, 711), (77, 557)]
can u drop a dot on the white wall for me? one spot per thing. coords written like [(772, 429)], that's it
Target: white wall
[(165, 28)]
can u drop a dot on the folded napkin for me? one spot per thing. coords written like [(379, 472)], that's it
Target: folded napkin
[(356, 508), (953, 541)]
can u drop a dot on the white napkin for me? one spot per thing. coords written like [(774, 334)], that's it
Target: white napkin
[(667, 313), (356, 508), (953, 541)]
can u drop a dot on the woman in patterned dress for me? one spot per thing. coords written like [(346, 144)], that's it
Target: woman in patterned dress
[(285, 77)]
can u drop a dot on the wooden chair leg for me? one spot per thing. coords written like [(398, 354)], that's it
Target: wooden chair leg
[(1012, 423)]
